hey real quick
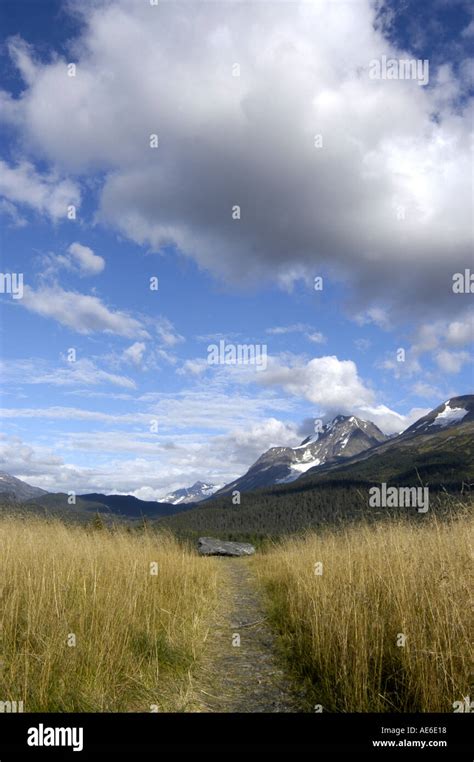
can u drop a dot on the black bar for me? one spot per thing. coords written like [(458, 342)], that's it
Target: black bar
[(153, 733)]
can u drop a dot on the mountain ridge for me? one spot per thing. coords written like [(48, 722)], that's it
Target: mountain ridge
[(17, 488), (128, 505)]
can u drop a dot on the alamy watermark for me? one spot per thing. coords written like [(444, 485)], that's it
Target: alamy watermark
[(463, 283), (400, 68), (52, 736), (237, 354), (11, 707), (466, 705), (399, 497), (12, 283)]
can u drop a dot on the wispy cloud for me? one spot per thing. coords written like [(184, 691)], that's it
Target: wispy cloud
[(46, 193), (81, 312), (166, 332), (315, 336), (81, 372)]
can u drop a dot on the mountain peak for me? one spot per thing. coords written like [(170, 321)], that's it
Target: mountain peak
[(194, 494), (338, 423), (343, 437)]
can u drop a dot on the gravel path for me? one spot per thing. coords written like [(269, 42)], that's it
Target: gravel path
[(245, 677)]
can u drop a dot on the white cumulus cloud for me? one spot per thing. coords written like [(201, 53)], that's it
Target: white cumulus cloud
[(249, 140)]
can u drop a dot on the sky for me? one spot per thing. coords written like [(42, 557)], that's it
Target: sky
[(240, 174)]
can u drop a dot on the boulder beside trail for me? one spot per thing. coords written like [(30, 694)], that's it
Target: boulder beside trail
[(210, 546)]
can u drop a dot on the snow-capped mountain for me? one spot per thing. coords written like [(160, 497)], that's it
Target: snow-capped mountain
[(199, 491), (18, 489), (452, 418), (342, 438), (450, 413), (437, 446)]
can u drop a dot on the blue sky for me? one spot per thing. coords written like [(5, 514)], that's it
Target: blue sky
[(378, 206)]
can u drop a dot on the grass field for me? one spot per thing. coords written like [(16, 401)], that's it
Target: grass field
[(372, 617), (343, 625), (87, 626)]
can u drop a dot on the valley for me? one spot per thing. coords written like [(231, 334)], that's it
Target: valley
[(348, 605)]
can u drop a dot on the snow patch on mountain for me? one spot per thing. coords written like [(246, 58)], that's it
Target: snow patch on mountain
[(299, 468), (454, 412), (449, 416)]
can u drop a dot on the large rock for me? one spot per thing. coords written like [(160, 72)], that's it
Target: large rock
[(209, 546)]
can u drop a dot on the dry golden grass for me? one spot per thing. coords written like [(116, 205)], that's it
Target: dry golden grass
[(340, 629), (138, 635)]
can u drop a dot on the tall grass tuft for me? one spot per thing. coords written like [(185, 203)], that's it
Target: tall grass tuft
[(87, 626), (385, 626)]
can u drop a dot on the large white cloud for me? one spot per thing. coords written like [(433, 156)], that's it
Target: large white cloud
[(328, 382), (335, 387), (249, 140)]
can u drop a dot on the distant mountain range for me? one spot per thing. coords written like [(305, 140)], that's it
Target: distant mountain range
[(438, 449), (199, 491), (127, 505), (15, 492)]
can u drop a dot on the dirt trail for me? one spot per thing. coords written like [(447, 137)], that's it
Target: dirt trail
[(245, 678)]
